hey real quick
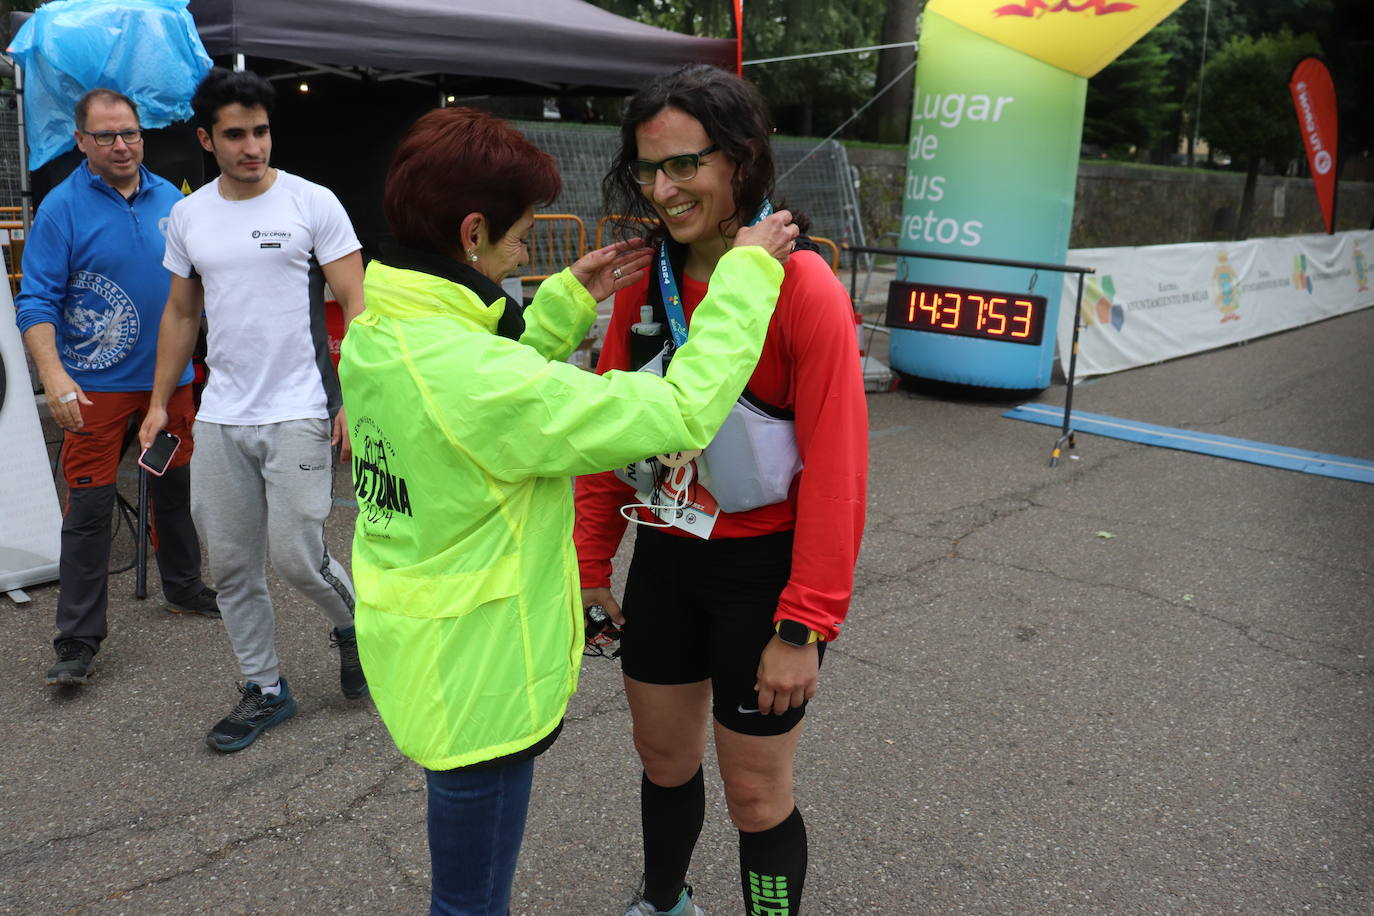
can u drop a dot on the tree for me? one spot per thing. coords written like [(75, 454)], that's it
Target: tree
[(1345, 37), (23, 6), (1200, 29), (812, 96), (890, 117), (1272, 16), (1253, 116), (1129, 102), (807, 96)]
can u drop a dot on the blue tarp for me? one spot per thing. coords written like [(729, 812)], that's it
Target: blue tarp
[(146, 49)]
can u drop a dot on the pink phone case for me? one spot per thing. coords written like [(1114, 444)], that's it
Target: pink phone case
[(159, 471)]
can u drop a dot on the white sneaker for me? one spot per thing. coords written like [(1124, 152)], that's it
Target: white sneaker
[(645, 908)]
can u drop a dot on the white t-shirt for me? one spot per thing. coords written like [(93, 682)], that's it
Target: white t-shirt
[(259, 260)]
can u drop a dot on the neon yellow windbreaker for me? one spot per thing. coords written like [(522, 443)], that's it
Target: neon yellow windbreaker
[(469, 615)]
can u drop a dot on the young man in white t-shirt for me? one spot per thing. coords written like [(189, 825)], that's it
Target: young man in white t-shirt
[(252, 249)]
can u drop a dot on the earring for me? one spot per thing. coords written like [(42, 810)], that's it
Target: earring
[(472, 255)]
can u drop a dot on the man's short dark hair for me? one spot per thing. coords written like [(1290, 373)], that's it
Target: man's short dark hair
[(225, 87), (104, 97)]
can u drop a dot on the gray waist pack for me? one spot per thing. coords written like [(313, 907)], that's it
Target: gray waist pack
[(750, 462)]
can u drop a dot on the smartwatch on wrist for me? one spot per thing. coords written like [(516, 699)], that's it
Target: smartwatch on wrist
[(796, 634)]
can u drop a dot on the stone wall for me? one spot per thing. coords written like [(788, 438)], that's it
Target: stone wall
[(1119, 205)]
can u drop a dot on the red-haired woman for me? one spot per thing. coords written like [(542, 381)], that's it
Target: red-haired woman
[(466, 425)]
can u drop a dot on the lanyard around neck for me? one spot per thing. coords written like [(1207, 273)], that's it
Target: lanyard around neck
[(667, 285)]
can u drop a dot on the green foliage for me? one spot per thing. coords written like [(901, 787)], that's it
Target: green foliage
[(1272, 16), (814, 95), (707, 18), (1247, 110), (1130, 102), (1146, 99), (1216, 21), (807, 96), (23, 6)]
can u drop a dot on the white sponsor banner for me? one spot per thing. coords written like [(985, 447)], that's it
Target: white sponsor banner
[(31, 533), (1154, 303)]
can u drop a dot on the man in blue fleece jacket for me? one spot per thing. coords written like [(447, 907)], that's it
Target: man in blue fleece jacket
[(93, 293)]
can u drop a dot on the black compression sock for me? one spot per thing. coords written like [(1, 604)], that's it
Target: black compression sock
[(772, 866), (672, 820)]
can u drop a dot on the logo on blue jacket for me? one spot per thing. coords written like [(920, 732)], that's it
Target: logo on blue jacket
[(102, 327)]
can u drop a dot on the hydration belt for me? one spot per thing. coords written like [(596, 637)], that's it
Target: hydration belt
[(753, 457)]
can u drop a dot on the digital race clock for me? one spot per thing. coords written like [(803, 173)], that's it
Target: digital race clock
[(983, 313)]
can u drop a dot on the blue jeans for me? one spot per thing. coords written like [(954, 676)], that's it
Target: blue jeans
[(476, 822)]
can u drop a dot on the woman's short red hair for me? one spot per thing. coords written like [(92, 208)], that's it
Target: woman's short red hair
[(456, 161)]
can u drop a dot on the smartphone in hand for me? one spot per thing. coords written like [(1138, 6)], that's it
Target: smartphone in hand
[(158, 456)]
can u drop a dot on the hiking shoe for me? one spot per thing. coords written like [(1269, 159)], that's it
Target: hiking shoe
[(683, 907), (73, 667), (351, 679), (204, 603), (255, 713)]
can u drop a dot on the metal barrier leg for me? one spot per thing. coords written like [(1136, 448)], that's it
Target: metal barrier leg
[(1066, 434), (141, 538)]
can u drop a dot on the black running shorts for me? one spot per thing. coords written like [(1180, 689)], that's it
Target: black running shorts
[(698, 609)]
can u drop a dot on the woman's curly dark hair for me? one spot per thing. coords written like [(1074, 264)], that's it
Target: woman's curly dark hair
[(736, 119)]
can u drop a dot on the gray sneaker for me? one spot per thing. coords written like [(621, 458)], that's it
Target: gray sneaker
[(74, 664), (684, 907)]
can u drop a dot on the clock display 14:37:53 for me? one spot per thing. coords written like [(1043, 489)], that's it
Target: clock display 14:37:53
[(987, 314)]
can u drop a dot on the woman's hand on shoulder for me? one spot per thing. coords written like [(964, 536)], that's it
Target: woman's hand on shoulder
[(776, 234), (608, 270)]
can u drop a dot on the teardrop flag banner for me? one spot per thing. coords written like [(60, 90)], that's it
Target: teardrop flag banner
[(1314, 100)]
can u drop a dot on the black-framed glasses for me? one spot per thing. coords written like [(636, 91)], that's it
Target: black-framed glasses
[(682, 167), (107, 137)]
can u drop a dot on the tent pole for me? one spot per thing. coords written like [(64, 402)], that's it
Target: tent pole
[(25, 190)]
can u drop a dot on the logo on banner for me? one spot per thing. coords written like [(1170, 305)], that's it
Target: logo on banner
[(1361, 268), (1098, 308), (1037, 8), (1300, 278), (1321, 158), (1225, 289)]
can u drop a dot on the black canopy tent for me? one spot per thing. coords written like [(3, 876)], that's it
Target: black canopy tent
[(564, 44), (342, 132)]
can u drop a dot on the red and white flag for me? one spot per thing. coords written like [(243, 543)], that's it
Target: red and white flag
[(1314, 98)]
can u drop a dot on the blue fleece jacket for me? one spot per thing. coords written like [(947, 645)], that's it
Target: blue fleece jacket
[(93, 269)]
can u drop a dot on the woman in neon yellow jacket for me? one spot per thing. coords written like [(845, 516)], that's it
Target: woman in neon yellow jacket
[(466, 426)]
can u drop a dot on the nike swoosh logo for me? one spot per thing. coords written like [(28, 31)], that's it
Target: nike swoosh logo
[(748, 711)]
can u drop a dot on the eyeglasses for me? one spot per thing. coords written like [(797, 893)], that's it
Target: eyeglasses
[(677, 168), (107, 137)]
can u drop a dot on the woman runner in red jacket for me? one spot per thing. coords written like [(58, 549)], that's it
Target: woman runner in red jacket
[(726, 612)]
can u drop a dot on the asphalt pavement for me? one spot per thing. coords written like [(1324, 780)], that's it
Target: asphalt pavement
[(1138, 682)]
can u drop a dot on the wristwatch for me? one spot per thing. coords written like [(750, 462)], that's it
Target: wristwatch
[(796, 634)]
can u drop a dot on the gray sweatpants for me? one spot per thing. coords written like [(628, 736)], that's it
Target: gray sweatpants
[(259, 493)]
